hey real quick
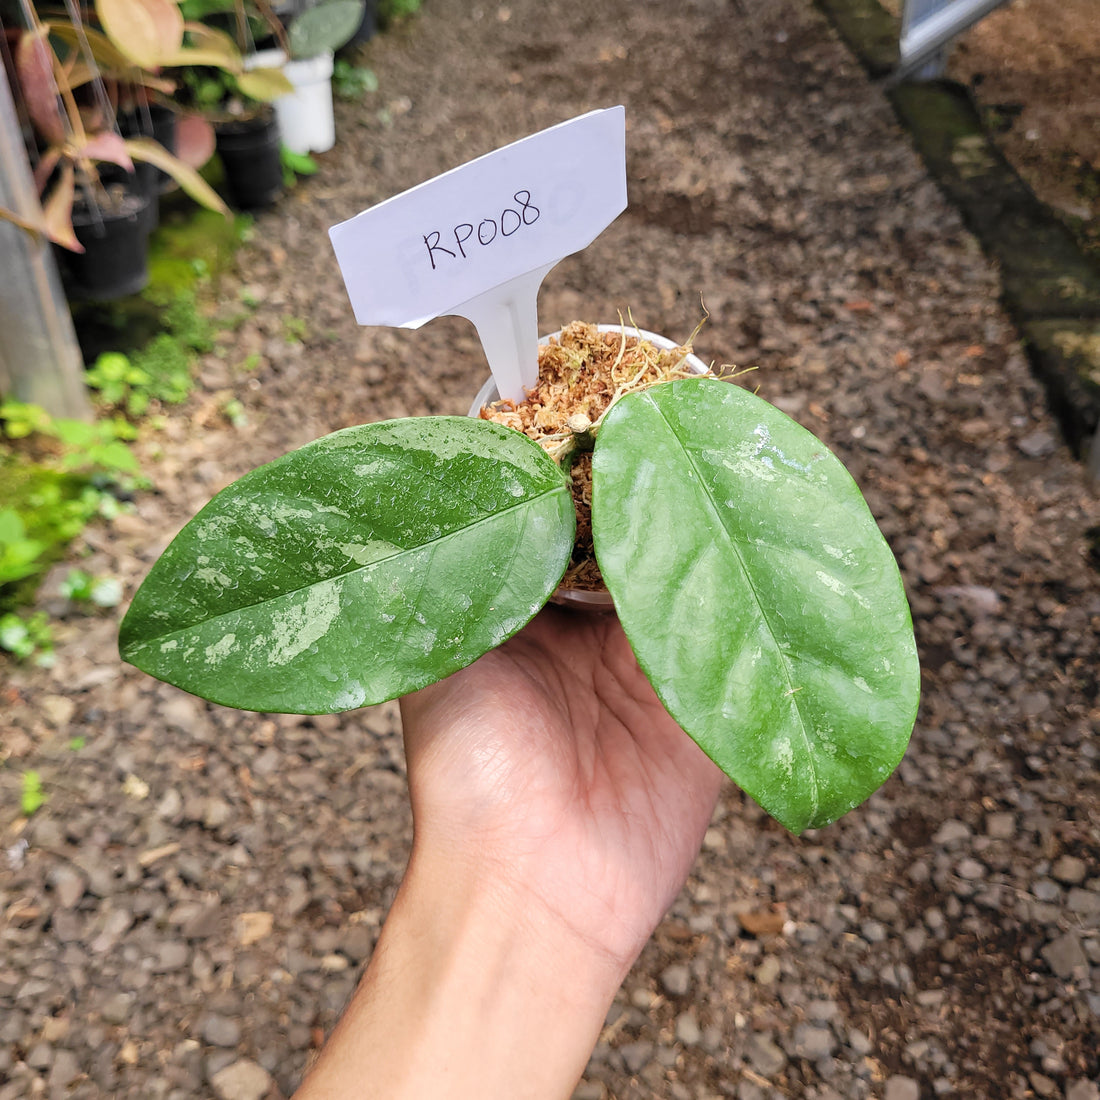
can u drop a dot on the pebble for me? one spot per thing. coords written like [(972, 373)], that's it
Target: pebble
[(812, 1042), (636, 1056), (1070, 870), (1065, 955), (687, 1029), (901, 1088), (220, 1031), (768, 971), (1083, 1090), (676, 980), (765, 1056), (242, 1080)]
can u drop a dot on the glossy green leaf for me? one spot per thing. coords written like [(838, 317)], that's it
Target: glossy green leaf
[(758, 593), (360, 567)]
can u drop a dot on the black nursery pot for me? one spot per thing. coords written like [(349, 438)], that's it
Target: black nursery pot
[(159, 123), (249, 151), (113, 263), (366, 29)]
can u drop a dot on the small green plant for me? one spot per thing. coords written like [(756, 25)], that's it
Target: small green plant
[(63, 474), (390, 11), (32, 797), (82, 587), (295, 165), (353, 82), (119, 383), (233, 411), (19, 555), (295, 329), (27, 639), (77, 743)]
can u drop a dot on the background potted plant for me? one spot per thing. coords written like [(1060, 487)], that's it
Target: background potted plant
[(73, 115), (759, 596), (314, 33)]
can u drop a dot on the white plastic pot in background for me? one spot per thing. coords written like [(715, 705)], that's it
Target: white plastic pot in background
[(306, 117)]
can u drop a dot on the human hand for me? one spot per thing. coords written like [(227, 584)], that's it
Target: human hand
[(552, 762), (557, 809)]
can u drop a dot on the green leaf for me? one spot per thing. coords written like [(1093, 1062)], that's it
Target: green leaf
[(32, 797), (360, 567), (760, 597), (327, 26)]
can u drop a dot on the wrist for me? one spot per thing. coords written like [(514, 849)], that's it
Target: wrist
[(475, 989)]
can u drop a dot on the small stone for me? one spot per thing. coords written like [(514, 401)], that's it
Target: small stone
[(676, 980), (1085, 903), (1070, 870), (220, 1031), (687, 1029), (859, 1041), (1000, 826), (767, 972), (1065, 954), (216, 813), (1044, 1086), (950, 833), (812, 1043), (971, 869), (171, 805), (64, 1071), (40, 1056), (636, 1056), (764, 1056), (1038, 444), (116, 1008), (69, 886), (202, 924), (1082, 1090), (243, 1080), (171, 956), (901, 1088)]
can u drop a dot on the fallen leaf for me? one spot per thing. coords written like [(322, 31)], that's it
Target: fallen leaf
[(135, 788), (763, 922), (151, 855), (253, 927)]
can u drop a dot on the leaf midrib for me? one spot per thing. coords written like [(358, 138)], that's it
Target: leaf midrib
[(491, 516), (791, 690)]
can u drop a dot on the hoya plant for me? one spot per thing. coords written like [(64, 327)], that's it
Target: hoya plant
[(758, 594)]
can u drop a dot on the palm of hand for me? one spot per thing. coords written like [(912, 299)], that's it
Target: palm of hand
[(552, 759)]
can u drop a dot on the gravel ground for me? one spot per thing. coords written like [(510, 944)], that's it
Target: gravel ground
[(189, 911)]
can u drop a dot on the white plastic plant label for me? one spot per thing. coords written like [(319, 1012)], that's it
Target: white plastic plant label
[(478, 240)]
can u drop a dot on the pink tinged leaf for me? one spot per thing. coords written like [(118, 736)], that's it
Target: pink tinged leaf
[(45, 166), (107, 146), (146, 31), (34, 68), (58, 209), (194, 140), (149, 151)]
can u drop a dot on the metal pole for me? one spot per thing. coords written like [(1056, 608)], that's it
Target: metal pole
[(40, 361)]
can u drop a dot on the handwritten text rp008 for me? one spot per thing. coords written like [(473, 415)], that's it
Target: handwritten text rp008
[(465, 235)]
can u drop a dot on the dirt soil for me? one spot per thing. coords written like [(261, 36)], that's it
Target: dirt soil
[(1034, 68), (188, 913)]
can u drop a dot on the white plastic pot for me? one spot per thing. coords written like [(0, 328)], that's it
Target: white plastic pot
[(306, 117), (591, 601)]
